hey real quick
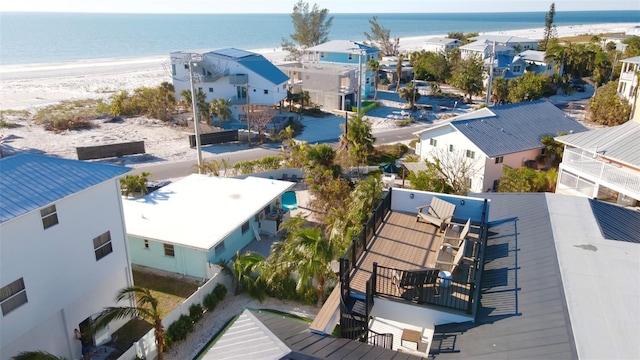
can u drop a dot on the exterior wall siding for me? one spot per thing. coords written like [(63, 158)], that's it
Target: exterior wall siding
[(493, 171), (186, 261), (66, 270)]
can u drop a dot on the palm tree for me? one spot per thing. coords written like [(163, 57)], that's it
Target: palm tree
[(410, 93), (147, 308), (220, 108), (556, 53), (36, 355), (374, 67), (306, 253), (398, 72), (358, 139)]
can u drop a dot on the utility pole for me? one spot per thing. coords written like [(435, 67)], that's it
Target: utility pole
[(194, 105), (360, 81), (493, 53), (248, 113)]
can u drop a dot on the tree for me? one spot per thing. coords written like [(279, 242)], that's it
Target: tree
[(432, 66), (201, 103), (553, 149), (410, 94), (261, 117), (380, 38), (528, 87), (633, 46), (550, 31), (607, 108), (209, 167), (555, 53), (374, 67), (398, 72), (455, 168), (132, 184), (147, 308), (220, 108), (246, 273), (358, 140), (524, 179), (428, 180), (500, 90), (311, 27), (468, 76), (306, 253)]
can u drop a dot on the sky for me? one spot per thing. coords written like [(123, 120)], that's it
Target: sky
[(334, 6)]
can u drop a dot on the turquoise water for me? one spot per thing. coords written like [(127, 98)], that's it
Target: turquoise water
[(32, 38)]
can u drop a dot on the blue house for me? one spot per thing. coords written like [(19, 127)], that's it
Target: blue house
[(330, 73), (193, 223)]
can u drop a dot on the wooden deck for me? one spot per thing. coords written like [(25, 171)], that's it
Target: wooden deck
[(325, 320), (401, 243)]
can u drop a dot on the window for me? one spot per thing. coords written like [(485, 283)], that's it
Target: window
[(471, 154), (173, 69), (245, 227), (322, 55), (266, 92), (169, 250), (499, 159), (102, 245), (186, 66), (219, 248), (517, 68), (210, 90), (469, 183), (433, 142), (451, 148), (146, 244), (49, 216), (12, 296), (350, 56)]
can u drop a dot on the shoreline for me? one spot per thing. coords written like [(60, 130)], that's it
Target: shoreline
[(30, 86)]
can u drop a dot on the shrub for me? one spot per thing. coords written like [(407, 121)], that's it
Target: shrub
[(7, 124), (195, 312), (180, 329), (211, 300), (405, 122)]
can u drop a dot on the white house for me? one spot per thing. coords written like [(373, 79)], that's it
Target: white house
[(515, 42), (628, 82), (603, 164), (440, 44), (237, 75), (63, 252), (483, 50), (536, 62), (189, 225), (489, 138)]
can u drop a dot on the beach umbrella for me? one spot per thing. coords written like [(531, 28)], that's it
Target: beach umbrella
[(389, 168)]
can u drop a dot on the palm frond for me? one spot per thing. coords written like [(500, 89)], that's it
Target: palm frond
[(37, 355)]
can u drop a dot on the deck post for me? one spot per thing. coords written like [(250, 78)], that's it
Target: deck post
[(374, 278)]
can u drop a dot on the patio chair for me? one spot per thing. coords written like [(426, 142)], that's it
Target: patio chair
[(453, 239), (294, 177), (438, 212), (285, 177), (443, 261), (411, 285)]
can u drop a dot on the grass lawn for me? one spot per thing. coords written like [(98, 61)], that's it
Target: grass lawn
[(169, 291)]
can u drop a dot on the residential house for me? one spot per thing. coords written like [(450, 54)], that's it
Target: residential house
[(489, 138), (191, 224), (64, 255), (535, 280), (536, 62), (440, 44), (517, 43), (603, 163), (237, 75), (616, 40), (483, 49), (628, 82), (332, 72)]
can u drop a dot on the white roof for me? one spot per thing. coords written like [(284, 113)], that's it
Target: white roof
[(199, 211), (505, 39)]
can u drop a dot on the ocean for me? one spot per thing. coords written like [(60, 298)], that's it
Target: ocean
[(37, 38)]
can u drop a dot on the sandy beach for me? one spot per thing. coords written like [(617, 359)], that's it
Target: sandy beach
[(28, 87)]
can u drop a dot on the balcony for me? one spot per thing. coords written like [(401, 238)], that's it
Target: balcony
[(590, 167)]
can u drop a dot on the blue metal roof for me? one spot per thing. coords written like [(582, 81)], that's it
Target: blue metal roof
[(29, 182), (516, 127), (616, 222), (254, 62)]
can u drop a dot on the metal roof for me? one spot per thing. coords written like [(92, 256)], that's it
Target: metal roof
[(481, 45), (254, 62), (515, 127), (522, 310), (502, 39), (533, 55), (632, 60), (619, 143), (440, 41), (616, 222), (554, 286), (29, 182), (343, 46), (260, 334)]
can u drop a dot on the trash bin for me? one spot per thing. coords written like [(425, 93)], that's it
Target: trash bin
[(445, 279)]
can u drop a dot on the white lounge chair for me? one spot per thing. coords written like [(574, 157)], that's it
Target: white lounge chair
[(438, 212)]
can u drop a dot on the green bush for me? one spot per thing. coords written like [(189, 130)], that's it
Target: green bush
[(180, 329), (195, 312), (211, 300), (221, 290)]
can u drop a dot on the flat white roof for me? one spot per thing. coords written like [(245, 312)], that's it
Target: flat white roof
[(199, 211)]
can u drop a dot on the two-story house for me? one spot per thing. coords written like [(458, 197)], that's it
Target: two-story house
[(485, 49), (489, 138), (63, 254), (603, 163), (536, 62), (440, 44), (240, 76), (191, 224), (628, 82), (517, 43), (332, 72)]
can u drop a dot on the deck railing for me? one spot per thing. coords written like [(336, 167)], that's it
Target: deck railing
[(588, 163), (382, 340), (442, 292)]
